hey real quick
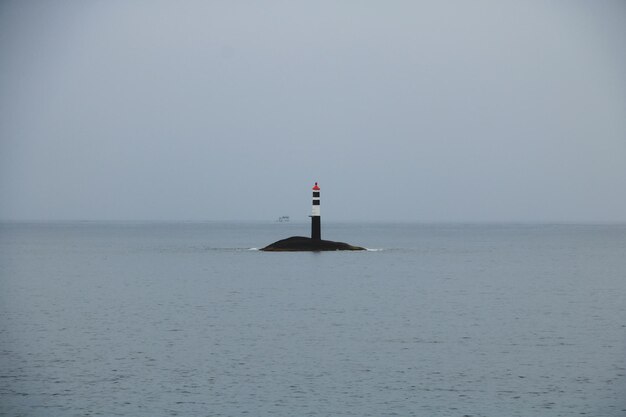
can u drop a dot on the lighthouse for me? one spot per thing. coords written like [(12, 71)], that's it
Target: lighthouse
[(316, 227), (315, 242)]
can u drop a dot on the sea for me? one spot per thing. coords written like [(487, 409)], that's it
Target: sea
[(191, 319)]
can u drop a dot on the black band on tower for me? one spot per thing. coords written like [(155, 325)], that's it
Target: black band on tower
[(316, 228)]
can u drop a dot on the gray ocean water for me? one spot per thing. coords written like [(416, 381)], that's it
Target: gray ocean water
[(164, 319)]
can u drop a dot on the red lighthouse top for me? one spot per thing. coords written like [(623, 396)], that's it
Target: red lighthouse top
[(316, 188)]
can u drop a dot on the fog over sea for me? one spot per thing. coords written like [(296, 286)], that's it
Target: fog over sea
[(188, 319)]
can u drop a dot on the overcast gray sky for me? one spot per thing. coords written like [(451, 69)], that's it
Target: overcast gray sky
[(230, 110)]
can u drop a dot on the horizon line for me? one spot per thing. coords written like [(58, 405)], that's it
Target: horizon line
[(378, 221)]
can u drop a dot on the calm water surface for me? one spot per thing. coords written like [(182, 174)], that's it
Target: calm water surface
[(144, 319)]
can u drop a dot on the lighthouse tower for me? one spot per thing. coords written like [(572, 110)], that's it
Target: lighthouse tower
[(316, 227)]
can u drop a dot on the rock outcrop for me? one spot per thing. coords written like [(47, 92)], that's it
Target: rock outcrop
[(306, 244)]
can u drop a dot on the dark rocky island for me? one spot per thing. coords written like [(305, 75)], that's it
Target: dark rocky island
[(304, 244)]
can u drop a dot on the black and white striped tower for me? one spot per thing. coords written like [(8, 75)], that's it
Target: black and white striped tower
[(316, 226)]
